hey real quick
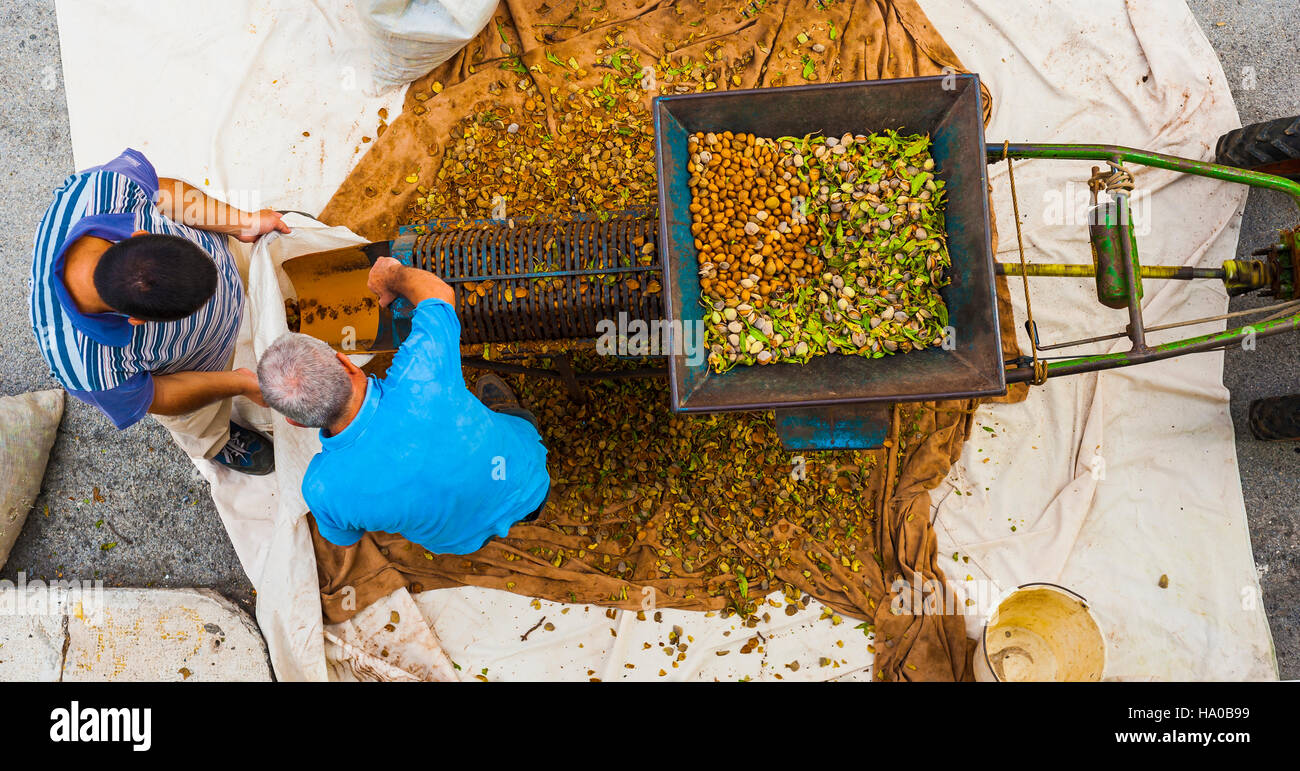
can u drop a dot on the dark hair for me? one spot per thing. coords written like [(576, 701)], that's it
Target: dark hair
[(155, 277)]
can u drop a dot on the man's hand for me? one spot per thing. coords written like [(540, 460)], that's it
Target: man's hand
[(383, 280), (254, 226), (252, 390), (184, 203), (389, 279)]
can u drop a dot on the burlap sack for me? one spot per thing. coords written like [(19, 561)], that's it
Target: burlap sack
[(28, 425)]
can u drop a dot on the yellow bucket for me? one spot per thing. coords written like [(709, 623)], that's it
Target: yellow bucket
[(1041, 633)]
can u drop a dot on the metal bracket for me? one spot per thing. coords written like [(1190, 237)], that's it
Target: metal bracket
[(861, 426)]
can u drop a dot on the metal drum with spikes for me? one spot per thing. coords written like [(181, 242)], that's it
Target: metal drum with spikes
[(540, 281)]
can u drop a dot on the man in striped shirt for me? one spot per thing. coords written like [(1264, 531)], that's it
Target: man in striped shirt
[(136, 302)]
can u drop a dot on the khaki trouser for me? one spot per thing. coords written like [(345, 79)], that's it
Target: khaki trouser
[(203, 432)]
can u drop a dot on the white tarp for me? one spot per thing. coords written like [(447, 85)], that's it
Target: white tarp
[(1116, 479), (244, 81)]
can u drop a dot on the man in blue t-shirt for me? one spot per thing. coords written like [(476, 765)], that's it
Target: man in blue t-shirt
[(414, 453)]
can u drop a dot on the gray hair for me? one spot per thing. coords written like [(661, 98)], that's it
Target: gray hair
[(302, 379)]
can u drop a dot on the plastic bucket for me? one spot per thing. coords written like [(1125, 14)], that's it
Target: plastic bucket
[(1041, 633)]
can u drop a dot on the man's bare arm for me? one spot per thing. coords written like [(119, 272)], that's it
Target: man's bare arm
[(184, 392), (186, 204), (390, 279)]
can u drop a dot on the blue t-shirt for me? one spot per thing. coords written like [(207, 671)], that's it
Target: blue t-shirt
[(423, 457)]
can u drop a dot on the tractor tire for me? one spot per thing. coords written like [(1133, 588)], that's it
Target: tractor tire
[(1272, 146)]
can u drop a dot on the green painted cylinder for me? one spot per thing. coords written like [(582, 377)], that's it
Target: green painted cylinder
[(1105, 232)]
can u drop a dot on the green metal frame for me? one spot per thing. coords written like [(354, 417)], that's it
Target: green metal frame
[(1141, 352)]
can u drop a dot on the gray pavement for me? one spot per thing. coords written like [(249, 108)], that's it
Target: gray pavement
[(1256, 41), (155, 507), (158, 511)]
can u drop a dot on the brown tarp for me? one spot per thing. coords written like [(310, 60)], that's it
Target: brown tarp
[(872, 39)]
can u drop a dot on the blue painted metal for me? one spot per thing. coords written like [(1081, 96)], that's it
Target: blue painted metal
[(834, 427), (402, 249), (676, 243)]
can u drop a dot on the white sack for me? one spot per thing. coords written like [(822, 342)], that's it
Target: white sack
[(408, 38)]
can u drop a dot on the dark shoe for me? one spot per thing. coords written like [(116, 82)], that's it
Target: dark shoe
[(494, 393), (1275, 419), (247, 452)]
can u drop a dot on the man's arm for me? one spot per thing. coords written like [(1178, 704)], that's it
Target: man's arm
[(186, 204), (184, 392), (390, 278), (432, 349)]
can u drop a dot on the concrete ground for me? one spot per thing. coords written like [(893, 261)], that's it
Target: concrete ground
[(79, 635), (157, 509), (1256, 43)]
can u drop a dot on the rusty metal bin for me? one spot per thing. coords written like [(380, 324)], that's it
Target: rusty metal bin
[(949, 109)]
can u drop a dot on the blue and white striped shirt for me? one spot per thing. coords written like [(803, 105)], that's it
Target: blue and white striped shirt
[(101, 358)]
